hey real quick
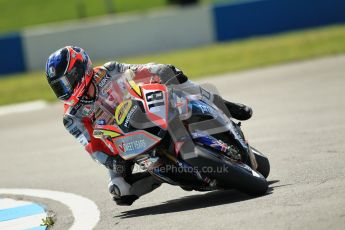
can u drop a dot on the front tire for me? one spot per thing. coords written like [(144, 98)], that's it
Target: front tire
[(233, 176), (246, 179), (263, 162)]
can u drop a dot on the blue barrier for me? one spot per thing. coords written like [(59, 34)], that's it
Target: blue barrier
[(11, 58), (235, 21)]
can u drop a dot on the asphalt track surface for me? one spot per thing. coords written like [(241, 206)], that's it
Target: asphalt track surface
[(299, 122)]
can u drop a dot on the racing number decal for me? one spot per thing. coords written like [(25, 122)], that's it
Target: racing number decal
[(154, 99)]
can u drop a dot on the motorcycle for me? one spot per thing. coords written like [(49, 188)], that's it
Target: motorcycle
[(183, 138)]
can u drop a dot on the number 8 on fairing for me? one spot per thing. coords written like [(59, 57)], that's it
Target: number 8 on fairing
[(154, 99)]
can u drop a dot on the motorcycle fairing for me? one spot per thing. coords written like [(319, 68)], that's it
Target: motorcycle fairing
[(210, 141), (218, 123), (199, 107), (128, 145), (181, 103), (156, 103), (101, 131), (134, 89), (122, 110), (135, 143)]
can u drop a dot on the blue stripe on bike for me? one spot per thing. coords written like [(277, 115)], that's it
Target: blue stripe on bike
[(21, 211)]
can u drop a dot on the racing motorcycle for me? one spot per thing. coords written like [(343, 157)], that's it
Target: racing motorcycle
[(183, 138)]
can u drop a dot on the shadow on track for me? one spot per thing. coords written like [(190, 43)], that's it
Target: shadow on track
[(203, 200)]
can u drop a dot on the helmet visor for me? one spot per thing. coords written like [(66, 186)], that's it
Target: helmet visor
[(64, 86)]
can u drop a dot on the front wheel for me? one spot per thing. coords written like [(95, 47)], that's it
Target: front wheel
[(245, 179), (229, 175), (263, 162)]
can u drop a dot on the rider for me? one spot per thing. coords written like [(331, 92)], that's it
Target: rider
[(89, 100)]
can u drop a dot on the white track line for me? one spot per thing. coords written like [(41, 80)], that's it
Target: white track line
[(22, 107), (23, 222), (10, 203), (85, 212)]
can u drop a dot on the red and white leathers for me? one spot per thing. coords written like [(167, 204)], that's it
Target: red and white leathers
[(80, 119)]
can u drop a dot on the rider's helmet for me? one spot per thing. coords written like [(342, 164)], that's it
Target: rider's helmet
[(69, 73)]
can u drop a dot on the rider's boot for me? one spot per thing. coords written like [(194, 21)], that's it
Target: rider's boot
[(126, 191), (238, 111)]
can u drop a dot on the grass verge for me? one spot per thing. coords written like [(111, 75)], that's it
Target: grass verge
[(33, 12), (208, 60)]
